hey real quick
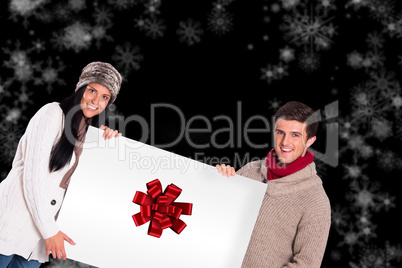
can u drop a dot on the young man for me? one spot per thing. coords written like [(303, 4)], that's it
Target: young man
[(295, 216)]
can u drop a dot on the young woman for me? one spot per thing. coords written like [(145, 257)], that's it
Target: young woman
[(46, 157)]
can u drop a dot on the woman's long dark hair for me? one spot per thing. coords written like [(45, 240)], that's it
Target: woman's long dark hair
[(62, 151)]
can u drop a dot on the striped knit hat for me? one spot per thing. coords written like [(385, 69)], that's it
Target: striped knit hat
[(102, 73)]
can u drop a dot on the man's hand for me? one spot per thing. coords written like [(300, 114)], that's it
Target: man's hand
[(226, 170), (109, 133), (55, 244)]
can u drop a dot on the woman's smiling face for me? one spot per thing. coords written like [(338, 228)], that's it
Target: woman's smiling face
[(94, 100)]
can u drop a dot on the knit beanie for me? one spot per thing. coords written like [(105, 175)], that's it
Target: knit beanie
[(102, 73)]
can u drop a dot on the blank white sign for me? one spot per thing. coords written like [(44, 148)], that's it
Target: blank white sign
[(97, 209)]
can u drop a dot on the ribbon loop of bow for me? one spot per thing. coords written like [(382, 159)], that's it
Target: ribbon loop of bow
[(160, 208)]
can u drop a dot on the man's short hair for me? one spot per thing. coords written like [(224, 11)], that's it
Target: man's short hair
[(300, 112)]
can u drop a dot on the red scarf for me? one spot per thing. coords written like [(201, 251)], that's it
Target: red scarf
[(276, 171)]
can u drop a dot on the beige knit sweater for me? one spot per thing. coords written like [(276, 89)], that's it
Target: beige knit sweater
[(294, 220)]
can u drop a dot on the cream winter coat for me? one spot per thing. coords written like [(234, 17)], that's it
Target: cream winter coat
[(30, 196)]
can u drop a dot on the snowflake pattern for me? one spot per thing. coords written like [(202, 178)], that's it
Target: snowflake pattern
[(127, 58), (154, 27), (220, 22), (286, 38), (309, 29), (51, 75), (190, 32)]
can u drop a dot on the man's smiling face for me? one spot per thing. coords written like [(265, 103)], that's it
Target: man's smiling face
[(291, 140)]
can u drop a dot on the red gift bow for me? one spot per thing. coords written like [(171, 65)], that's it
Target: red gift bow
[(160, 209)]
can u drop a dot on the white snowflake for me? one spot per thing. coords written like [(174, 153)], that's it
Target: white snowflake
[(60, 12), (353, 171), (38, 45), (24, 70), (14, 115), (103, 15), (274, 104), (309, 61), (335, 255), (139, 23), (152, 8), (381, 129), (384, 83), (356, 4), (396, 101), (339, 216), (273, 72), (288, 4), (382, 10), (24, 99), (100, 36), (77, 36), (398, 129), (287, 54), (359, 146), (347, 128), (281, 70), (10, 135), (154, 27), (309, 29), (364, 219), (190, 32), (57, 41), (372, 256), (127, 58), (21, 64), (77, 5), (392, 28), (376, 59), (121, 4), (51, 75), (364, 195), (355, 60), (387, 160), (220, 22), (366, 106), (220, 5), (4, 92), (351, 239), (327, 5), (375, 40), (25, 7), (268, 73)]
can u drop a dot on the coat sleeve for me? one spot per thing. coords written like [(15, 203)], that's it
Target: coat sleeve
[(41, 133), (310, 241)]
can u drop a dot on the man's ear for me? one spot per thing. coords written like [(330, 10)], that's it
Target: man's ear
[(310, 141)]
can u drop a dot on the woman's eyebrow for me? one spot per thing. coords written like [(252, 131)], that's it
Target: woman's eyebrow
[(97, 91)]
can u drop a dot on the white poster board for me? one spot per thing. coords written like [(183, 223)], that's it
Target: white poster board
[(97, 209)]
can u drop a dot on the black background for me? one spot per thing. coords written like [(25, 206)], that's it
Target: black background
[(222, 72)]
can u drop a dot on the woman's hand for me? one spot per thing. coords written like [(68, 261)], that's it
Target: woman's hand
[(109, 133), (55, 244), (226, 170)]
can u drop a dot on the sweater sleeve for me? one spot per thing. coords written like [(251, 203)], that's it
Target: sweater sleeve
[(252, 170), (41, 134), (310, 242)]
